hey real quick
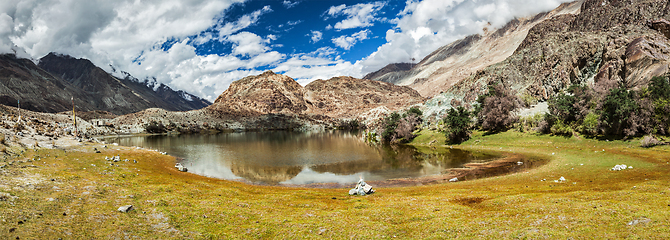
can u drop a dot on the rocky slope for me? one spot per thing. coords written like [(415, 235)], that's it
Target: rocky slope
[(454, 62), (119, 96), (607, 44), (37, 90)]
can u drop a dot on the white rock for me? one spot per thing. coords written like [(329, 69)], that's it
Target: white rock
[(125, 208), (562, 179), (519, 163), (453, 179)]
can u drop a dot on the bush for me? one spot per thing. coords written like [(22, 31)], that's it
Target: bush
[(590, 124), (497, 111), (155, 127), (397, 128), (458, 123), (562, 129)]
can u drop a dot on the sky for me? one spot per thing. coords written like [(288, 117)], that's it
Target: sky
[(201, 46)]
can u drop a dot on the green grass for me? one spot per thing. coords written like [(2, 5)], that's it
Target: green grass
[(594, 202)]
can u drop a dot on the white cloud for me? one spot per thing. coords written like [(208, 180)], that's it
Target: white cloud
[(357, 16), (243, 22), (316, 36), (289, 4), (424, 26), (323, 63), (248, 44), (347, 42)]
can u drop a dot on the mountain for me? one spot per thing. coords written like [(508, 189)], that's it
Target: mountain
[(454, 62), (338, 97), (275, 101), (36, 89), (607, 45), (120, 96)]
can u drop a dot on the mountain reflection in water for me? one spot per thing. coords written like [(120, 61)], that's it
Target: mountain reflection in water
[(301, 158)]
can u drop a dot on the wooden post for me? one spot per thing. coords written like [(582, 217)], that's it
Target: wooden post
[(74, 117)]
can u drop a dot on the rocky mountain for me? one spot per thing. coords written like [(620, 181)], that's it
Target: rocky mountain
[(446, 66), (607, 45), (339, 97), (36, 89), (119, 96)]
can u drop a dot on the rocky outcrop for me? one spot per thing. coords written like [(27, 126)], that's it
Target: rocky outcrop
[(347, 97), (268, 93), (608, 44)]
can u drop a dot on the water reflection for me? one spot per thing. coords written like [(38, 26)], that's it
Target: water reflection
[(301, 158)]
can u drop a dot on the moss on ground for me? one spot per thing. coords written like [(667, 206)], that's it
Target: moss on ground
[(75, 195)]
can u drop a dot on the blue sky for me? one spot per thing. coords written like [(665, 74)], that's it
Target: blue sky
[(201, 46)]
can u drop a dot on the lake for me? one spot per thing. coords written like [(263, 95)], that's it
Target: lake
[(301, 158)]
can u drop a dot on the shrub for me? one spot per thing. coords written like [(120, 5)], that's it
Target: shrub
[(545, 125), (154, 127), (561, 128), (398, 128), (590, 124), (497, 112), (458, 123)]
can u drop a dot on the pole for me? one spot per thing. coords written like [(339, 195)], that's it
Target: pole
[(74, 117)]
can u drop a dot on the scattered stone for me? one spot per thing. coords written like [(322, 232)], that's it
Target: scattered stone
[(453, 179), (361, 189), (125, 208), (519, 163), (642, 220), (620, 167), (181, 167)]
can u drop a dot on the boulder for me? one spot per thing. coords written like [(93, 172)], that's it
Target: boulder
[(361, 189)]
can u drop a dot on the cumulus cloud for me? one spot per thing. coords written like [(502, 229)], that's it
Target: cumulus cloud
[(347, 42), (424, 26), (357, 16), (316, 36), (322, 63)]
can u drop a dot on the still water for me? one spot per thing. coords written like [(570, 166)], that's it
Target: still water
[(301, 158)]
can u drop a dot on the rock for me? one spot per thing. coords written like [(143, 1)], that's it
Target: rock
[(180, 167), (519, 163), (662, 26), (562, 179), (453, 179), (642, 220), (361, 189), (125, 208), (620, 167)]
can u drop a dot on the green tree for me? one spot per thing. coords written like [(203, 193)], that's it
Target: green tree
[(616, 109), (458, 122)]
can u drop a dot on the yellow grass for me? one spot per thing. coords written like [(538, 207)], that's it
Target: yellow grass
[(594, 202)]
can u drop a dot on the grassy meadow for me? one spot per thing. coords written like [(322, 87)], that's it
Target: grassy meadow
[(75, 194)]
